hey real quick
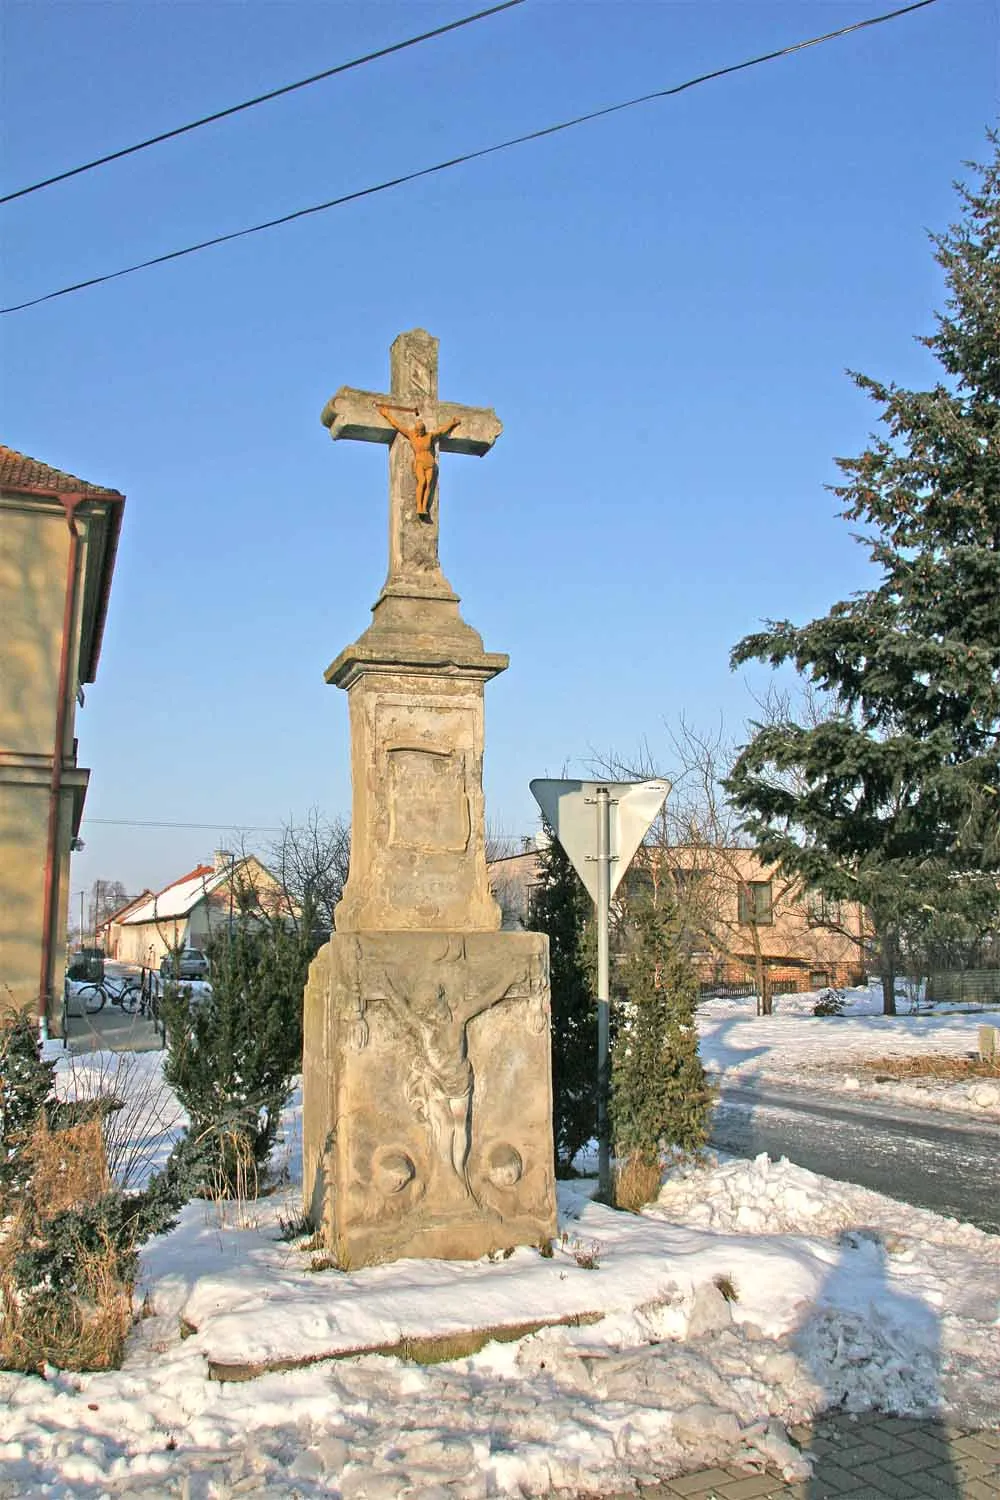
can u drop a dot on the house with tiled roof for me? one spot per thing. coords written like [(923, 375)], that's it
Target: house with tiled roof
[(746, 924), (58, 538), (191, 909)]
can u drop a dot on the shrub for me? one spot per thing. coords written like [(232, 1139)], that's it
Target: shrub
[(636, 1181), (561, 908), (69, 1253), (232, 1058), (659, 1093), (830, 1003), (25, 1085)]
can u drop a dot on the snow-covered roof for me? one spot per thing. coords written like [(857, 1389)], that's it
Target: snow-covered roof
[(179, 898), (122, 911)]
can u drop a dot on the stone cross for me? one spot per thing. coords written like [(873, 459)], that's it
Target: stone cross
[(413, 396)]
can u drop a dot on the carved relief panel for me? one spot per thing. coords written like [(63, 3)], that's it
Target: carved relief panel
[(441, 1143), (418, 859)]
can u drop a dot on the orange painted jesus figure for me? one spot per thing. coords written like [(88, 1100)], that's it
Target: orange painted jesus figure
[(424, 455)]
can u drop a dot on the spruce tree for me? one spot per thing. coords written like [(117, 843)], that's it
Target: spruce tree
[(659, 1093), (895, 799), (561, 908)]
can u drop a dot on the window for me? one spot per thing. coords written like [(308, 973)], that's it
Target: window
[(755, 903)]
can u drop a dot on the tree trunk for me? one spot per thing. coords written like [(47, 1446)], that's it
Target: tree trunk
[(889, 944), (760, 975)]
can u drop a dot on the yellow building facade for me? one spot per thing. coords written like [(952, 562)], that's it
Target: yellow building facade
[(58, 538)]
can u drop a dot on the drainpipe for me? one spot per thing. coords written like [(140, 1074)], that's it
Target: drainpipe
[(70, 504)]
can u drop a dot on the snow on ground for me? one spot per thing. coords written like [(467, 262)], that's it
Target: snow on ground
[(795, 1047), (752, 1294)]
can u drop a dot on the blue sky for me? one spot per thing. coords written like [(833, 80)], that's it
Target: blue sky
[(661, 307)]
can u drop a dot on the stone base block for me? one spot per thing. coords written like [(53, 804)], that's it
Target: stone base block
[(427, 1125)]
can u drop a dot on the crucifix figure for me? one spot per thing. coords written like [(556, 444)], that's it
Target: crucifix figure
[(440, 426), (433, 1004), (424, 456)]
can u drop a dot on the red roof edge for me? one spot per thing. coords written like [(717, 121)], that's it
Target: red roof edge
[(199, 870)]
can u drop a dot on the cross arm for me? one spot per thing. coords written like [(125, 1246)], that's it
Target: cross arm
[(478, 429), (352, 414)]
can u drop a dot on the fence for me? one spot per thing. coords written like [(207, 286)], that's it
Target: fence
[(717, 991), (711, 989), (966, 986)]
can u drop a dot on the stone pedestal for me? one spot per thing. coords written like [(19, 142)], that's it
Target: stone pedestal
[(427, 1126), (428, 1104)]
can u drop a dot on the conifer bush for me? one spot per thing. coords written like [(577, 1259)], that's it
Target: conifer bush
[(660, 1097), (232, 1057), (25, 1085), (561, 908)]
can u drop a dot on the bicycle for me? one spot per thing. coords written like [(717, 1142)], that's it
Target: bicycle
[(93, 997)]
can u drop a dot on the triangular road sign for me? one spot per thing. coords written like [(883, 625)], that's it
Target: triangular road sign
[(570, 809)]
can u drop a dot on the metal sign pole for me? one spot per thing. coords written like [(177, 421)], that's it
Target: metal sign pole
[(603, 904), (567, 809)]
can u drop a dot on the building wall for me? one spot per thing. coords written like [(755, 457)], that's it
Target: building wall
[(34, 552), (512, 879), (800, 951), (796, 940), (147, 942)]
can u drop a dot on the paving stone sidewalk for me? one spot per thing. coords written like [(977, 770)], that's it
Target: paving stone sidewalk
[(868, 1457)]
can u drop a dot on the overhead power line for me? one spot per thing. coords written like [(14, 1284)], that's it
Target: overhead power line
[(232, 827), (456, 161), (235, 109)]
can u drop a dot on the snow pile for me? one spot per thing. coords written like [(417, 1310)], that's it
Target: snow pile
[(905, 1321), (777, 1197)]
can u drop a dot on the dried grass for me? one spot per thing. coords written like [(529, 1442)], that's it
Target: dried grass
[(946, 1069), (84, 1332), (81, 1331), (68, 1167), (636, 1182), (235, 1181)]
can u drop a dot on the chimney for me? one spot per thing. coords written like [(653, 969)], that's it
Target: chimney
[(223, 859)]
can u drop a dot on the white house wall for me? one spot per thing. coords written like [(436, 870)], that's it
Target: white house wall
[(147, 942)]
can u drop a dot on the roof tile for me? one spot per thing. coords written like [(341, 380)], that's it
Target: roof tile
[(19, 472)]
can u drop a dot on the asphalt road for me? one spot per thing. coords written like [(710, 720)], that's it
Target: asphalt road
[(918, 1156)]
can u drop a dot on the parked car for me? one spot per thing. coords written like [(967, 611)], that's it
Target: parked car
[(191, 964)]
